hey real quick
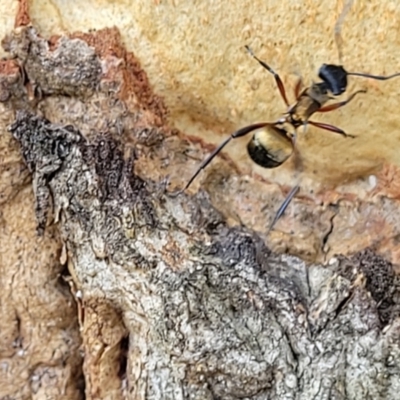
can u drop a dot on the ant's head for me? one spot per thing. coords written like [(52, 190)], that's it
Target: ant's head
[(334, 77)]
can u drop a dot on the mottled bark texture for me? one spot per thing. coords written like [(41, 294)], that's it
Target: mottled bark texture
[(172, 302)]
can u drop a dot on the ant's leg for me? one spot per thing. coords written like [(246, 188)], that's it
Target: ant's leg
[(335, 106), (283, 207), (239, 133), (330, 128), (278, 80), (297, 88)]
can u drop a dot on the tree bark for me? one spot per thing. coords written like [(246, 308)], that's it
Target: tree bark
[(170, 300)]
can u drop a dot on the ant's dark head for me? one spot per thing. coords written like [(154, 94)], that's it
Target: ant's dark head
[(335, 77)]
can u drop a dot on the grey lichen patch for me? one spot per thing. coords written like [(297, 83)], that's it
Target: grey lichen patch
[(44, 149), (382, 283), (71, 67), (100, 176), (211, 311)]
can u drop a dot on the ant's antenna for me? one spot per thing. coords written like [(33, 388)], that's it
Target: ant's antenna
[(338, 28)]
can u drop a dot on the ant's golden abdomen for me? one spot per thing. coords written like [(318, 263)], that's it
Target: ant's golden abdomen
[(270, 147)]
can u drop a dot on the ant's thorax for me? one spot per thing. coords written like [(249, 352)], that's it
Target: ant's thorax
[(309, 101)]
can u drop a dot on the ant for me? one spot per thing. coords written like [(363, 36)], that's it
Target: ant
[(274, 142)]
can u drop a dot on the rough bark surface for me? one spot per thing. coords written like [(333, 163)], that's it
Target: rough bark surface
[(171, 300), (209, 310)]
